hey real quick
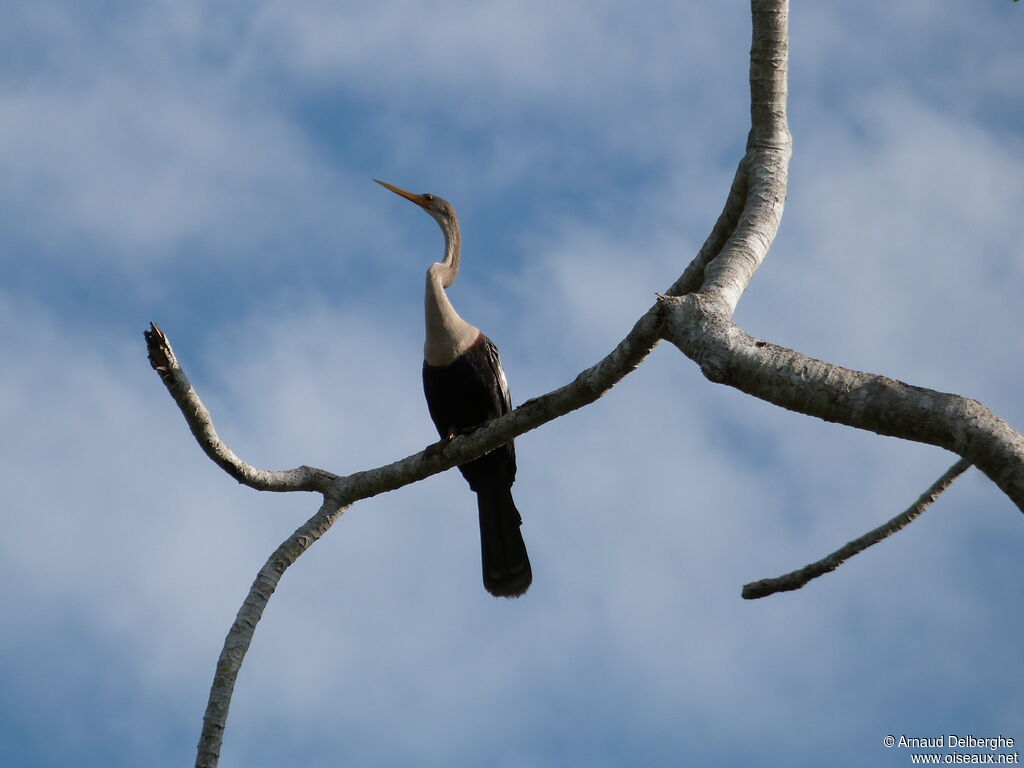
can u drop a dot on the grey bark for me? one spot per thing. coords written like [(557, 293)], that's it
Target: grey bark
[(800, 577), (695, 314)]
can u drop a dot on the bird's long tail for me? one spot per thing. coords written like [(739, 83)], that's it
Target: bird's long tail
[(506, 565)]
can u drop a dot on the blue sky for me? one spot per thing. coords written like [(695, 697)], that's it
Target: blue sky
[(209, 168)]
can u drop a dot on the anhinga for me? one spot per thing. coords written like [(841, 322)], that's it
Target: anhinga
[(465, 387)]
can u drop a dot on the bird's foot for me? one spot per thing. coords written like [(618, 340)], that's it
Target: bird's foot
[(435, 449)]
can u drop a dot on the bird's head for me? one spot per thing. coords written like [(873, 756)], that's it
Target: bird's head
[(439, 208)]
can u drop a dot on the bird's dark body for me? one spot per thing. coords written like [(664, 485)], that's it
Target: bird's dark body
[(468, 392)]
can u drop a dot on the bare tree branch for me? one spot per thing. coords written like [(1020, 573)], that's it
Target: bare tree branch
[(236, 644), (341, 492), (696, 316), (587, 387), (769, 147), (700, 326), (753, 209), (161, 357), (798, 578), (693, 275)]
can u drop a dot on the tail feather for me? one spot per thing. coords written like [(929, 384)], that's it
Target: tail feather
[(506, 566)]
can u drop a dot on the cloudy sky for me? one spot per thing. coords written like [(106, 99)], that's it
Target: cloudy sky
[(208, 167)]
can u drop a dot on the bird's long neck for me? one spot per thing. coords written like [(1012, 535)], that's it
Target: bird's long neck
[(448, 335)]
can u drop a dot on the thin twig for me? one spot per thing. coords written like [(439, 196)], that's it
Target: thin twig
[(693, 275), (798, 578)]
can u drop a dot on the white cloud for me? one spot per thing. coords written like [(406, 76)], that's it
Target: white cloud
[(569, 53), (644, 513), (148, 172), (166, 129)]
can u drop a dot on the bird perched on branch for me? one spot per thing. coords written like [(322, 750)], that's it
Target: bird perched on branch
[(465, 387)]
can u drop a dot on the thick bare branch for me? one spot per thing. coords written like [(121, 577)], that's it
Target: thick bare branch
[(769, 147), (701, 327), (769, 61), (798, 578), (161, 357)]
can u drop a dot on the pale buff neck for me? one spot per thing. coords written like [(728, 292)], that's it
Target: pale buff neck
[(448, 335)]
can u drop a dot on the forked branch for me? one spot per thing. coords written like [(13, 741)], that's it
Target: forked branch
[(340, 492)]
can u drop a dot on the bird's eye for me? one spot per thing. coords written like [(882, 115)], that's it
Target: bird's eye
[(429, 198)]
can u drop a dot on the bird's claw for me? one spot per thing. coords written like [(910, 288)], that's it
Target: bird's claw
[(435, 449)]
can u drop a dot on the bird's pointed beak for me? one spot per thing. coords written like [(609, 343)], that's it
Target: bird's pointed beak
[(418, 199)]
